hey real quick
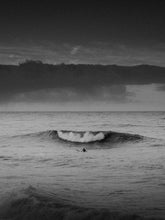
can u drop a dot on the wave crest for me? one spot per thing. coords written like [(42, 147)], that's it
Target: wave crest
[(84, 137), (95, 136)]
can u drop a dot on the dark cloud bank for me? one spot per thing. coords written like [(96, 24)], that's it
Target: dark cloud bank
[(34, 81)]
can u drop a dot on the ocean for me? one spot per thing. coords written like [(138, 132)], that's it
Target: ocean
[(82, 165)]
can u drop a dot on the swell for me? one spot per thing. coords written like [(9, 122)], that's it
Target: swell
[(32, 204), (86, 136)]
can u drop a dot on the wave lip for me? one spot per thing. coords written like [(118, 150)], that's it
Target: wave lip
[(81, 137), (96, 136)]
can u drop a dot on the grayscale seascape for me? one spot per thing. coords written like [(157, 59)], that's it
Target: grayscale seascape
[(82, 110)]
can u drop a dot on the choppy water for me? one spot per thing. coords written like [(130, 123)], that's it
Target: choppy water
[(46, 176)]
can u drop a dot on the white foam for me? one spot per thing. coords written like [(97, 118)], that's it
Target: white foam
[(80, 137)]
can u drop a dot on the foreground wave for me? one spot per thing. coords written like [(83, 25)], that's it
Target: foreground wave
[(34, 204)]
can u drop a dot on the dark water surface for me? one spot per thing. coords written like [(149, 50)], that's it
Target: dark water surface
[(45, 175)]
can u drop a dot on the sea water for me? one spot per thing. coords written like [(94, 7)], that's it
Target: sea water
[(44, 173)]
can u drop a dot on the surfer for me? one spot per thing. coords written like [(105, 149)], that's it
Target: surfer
[(84, 150)]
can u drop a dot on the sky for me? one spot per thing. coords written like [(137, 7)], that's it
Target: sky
[(125, 33), (107, 32)]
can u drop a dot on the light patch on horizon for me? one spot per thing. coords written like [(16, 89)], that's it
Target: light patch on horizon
[(112, 93), (148, 96), (139, 98)]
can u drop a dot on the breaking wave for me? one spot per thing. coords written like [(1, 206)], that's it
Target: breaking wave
[(96, 136), (87, 136), (35, 204)]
